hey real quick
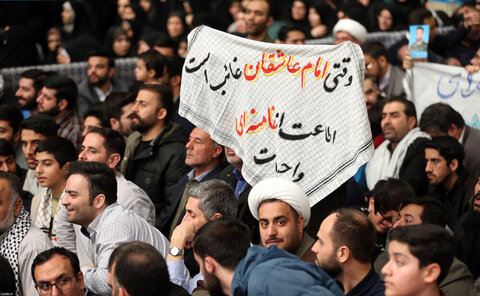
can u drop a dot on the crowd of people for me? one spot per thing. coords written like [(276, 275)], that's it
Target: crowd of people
[(105, 189)]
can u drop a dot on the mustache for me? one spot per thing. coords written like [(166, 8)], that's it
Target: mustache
[(273, 240), (133, 115)]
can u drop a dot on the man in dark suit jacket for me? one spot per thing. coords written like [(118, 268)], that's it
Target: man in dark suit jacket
[(204, 156)]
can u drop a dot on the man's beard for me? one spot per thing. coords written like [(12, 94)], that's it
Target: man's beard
[(331, 267), (29, 104), (140, 126), (52, 112), (100, 82), (213, 285), (8, 221)]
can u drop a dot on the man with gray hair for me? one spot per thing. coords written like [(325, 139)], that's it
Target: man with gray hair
[(20, 240), (283, 211), (207, 201)]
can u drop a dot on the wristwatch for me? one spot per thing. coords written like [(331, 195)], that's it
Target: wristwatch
[(175, 252)]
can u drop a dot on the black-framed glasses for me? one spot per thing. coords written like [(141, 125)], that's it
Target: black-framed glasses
[(63, 283)]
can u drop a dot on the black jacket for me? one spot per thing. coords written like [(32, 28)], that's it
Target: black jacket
[(159, 167)]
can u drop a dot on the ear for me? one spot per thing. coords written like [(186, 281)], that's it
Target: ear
[(99, 202), (17, 207), (113, 160), (151, 73), (16, 137), (343, 254), (175, 80), (454, 131), (111, 71), (412, 122), (62, 104), (210, 264), (162, 113), (371, 204), (215, 216), (80, 280), (453, 165), (270, 21), (65, 168), (431, 273), (300, 223), (122, 292), (115, 124), (217, 151), (382, 60)]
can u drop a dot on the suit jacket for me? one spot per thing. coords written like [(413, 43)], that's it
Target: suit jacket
[(88, 97), (471, 140)]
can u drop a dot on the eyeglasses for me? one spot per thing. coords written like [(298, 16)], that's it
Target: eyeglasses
[(62, 283)]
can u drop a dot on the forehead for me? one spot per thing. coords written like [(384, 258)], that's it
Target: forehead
[(398, 248), (295, 35), (257, 5), (432, 153), (92, 121), (31, 135), (199, 133), (44, 156), (26, 82), (93, 140), (394, 107), (326, 226), (49, 91), (344, 36), (192, 204), (5, 191), (53, 268), (98, 60), (5, 124), (272, 209), (413, 210), (77, 182), (148, 96)]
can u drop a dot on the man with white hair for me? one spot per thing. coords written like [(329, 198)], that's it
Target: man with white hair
[(349, 30), (283, 211)]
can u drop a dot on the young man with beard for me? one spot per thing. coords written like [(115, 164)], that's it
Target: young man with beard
[(344, 246), (118, 108), (10, 119), (231, 267), (29, 87), (100, 82), (449, 181), (57, 99), (155, 153)]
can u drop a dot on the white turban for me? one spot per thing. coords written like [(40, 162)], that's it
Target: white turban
[(351, 27), (281, 189)]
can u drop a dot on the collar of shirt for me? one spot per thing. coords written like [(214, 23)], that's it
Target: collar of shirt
[(383, 84), (101, 95), (191, 175), (462, 136)]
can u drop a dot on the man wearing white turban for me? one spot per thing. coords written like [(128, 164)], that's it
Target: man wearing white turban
[(283, 211)]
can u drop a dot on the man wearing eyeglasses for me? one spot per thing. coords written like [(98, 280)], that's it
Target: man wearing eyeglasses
[(57, 272)]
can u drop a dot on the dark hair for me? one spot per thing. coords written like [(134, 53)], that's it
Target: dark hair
[(433, 211), (46, 255), (438, 117), (420, 28), (114, 103), (353, 229), (154, 61), (101, 179), (12, 115), (284, 30), (167, 41), (97, 111), (449, 148), (6, 148), (165, 96), (140, 269), (375, 49), (389, 194), (7, 280), (62, 149), (226, 240), (38, 77), (65, 88), (429, 243), (175, 66), (112, 140), (409, 109), (103, 54), (40, 124), (215, 196), (375, 117), (417, 16), (14, 182)]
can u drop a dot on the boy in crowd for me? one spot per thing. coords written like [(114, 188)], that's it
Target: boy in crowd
[(52, 156)]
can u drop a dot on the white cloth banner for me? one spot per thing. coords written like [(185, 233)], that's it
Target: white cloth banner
[(289, 111), (434, 83)]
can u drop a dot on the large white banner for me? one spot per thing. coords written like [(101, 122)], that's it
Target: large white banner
[(289, 111), (434, 83)]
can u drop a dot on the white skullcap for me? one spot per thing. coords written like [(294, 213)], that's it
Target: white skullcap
[(351, 27), (281, 189)]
